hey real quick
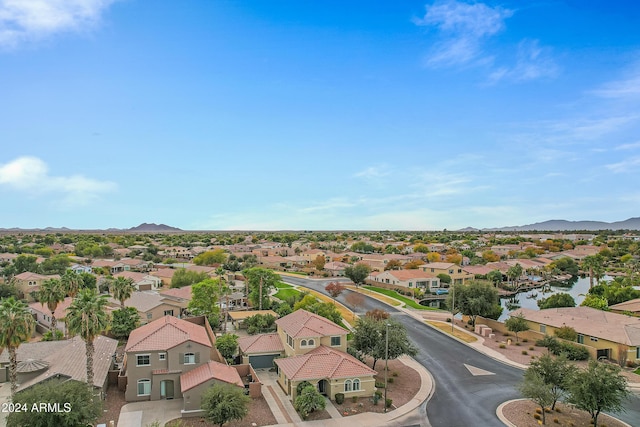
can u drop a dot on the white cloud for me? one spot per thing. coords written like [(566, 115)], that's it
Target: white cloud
[(626, 88), (627, 165), (463, 28), (373, 172), (532, 62), (25, 20), (31, 175)]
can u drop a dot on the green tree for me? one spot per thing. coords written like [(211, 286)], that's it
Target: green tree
[(598, 388), (514, 272), (122, 289), (566, 333), (309, 400), (57, 264), (556, 301), (565, 265), (444, 278), (594, 264), (204, 300), (184, 277), (71, 282), (222, 403), (261, 281), (124, 321), (476, 299), (51, 293), (8, 290), (24, 263), (17, 326), (495, 277), (259, 323), (319, 262), (84, 408), (370, 338), (216, 256), (227, 345), (87, 317), (324, 309), (517, 324), (555, 372), (357, 273), (87, 281), (535, 388), (595, 301)]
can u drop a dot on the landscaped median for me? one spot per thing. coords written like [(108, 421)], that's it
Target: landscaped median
[(446, 328), (393, 294)]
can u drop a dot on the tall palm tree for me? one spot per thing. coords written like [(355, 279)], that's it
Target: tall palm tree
[(88, 317), (51, 293), (71, 282), (17, 326), (122, 288), (223, 290)]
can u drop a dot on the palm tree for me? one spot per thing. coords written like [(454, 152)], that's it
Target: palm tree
[(122, 288), (17, 326), (595, 265), (51, 293), (71, 282), (87, 317)]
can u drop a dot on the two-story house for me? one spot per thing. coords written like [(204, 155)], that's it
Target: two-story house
[(315, 350), (28, 284), (158, 354), (457, 274)]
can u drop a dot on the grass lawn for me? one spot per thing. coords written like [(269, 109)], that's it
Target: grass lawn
[(393, 294), (345, 312), (637, 371), (446, 327), (282, 285), (284, 294)]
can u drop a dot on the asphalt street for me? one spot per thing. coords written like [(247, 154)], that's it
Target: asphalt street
[(461, 399)]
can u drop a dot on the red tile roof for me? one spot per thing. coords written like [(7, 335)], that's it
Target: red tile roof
[(303, 324), (182, 293), (262, 343), (165, 333), (323, 362), (210, 371)]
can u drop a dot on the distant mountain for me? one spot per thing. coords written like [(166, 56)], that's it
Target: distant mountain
[(153, 228), (563, 225)]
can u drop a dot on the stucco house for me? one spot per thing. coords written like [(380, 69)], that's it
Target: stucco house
[(151, 305), (457, 274), (315, 350), (42, 314), (28, 283), (141, 281), (606, 334), (410, 279)]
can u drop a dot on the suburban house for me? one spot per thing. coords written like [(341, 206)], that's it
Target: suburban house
[(164, 274), (27, 283), (631, 307), (457, 274), (141, 281), (42, 315), (79, 268), (160, 353), (64, 359), (315, 350), (336, 268), (152, 305), (410, 279), (606, 334), (261, 350)]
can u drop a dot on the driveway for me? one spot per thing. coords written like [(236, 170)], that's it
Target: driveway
[(142, 414)]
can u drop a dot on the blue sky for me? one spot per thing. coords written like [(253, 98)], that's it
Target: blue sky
[(318, 115)]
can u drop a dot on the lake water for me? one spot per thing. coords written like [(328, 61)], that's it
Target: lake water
[(578, 291)]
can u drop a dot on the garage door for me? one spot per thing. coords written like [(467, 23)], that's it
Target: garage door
[(262, 361)]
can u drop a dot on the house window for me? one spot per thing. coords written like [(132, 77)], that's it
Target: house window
[(162, 356), (335, 341), (356, 384), (289, 341), (303, 343), (543, 329), (189, 358), (594, 339), (144, 387), (149, 316), (638, 352), (311, 343), (580, 339), (348, 385), (410, 285), (168, 312), (143, 360)]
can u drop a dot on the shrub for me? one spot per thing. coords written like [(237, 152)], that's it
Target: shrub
[(448, 320), (558, 409), (532, 348), (507, 334), (354, 399), (555, 420), (339, 398), (376, 399), (379, 385), (394, 374), (378, 394), (524, 352), (503, 346), (49, 335), (537, 416), (390, 380), (525, 340), (538, 411), (517, 343), (387, 403)]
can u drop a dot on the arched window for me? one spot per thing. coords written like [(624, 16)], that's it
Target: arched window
[(347, 385), (189, 358), (303, 343), (144, 387), (356, 384), (312, 342)]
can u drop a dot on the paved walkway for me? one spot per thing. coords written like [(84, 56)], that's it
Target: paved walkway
[(142, 414)]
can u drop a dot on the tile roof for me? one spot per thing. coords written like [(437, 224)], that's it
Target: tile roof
[(182, 293), (262, 343), (165, 333), (438, 265), (631, 305), (614, 327), (323, 362), (142, 301), (210, 371), (61, 309), (303, 324), (241, 315), (27, 275), (410, 274), (70, 360)]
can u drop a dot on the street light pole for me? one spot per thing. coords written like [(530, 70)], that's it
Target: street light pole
[(386, 361), (453, 303)]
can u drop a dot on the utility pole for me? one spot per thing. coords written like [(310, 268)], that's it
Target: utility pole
[(260, 305), (453, 303)]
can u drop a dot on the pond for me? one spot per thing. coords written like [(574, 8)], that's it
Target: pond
[(577, 288)]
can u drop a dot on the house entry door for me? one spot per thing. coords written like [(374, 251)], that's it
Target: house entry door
[(166, 389)]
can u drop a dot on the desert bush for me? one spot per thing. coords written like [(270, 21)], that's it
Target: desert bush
[(388, 402), (502, 346), (339, 398)]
